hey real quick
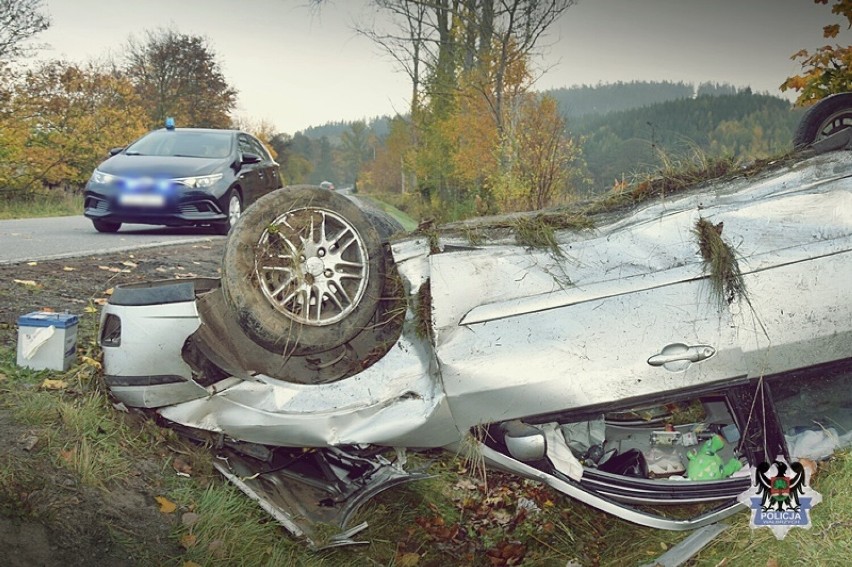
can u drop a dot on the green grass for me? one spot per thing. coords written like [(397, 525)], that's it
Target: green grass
[(408, 223), (44, 203), (453, 518)]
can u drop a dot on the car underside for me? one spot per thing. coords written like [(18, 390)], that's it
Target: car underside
[(652, 359)]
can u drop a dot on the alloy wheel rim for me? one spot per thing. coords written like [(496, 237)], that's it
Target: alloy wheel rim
[(234, 209), (312, 265)]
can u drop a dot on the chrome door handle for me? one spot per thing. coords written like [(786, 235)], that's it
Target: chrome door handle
[(680, 352)]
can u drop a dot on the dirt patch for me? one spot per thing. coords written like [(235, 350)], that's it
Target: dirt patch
[(71, 284), (50, 519)]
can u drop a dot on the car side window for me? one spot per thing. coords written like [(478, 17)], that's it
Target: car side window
[(246, 145), (260, 149)]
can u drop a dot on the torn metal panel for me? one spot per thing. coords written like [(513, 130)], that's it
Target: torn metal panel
[(315, 494), (396, 402)]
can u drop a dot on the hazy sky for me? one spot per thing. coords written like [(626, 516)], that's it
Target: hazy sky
[(295, 68)]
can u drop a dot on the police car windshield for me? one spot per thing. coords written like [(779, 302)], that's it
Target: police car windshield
[(177, 143)]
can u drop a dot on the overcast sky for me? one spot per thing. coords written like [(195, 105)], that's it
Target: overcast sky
[(295, 68)]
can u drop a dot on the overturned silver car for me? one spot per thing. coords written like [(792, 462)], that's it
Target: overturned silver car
[(599, 364)]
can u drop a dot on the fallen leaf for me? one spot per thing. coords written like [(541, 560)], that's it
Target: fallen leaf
[(88, 360), (502, 517), (100, 301), (772, 562), (408, 559), (181, 466), (217, 548), (129, 264), (68, 269), (109, 291), (28, 283), (28, 442), (68, 455), (47, 310), (188, 540), (189, 519), (809, 466), (49, 384), (465, 484), (90, 309), (166, 505), (32, 263)]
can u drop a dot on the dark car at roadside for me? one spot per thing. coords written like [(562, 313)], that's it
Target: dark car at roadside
[(181, 177)]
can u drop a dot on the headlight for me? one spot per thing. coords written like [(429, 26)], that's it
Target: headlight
[(201, 181), (103, 178)]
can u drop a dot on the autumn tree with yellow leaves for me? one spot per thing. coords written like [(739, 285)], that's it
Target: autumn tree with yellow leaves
[(59, 121), (827, 70), (480, 139)]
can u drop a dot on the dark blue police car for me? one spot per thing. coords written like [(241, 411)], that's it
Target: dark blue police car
[(181, 177)]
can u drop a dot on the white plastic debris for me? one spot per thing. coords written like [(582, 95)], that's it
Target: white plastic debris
[(817, 444)]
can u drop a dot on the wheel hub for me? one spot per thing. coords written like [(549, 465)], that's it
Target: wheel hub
[(312, 265)]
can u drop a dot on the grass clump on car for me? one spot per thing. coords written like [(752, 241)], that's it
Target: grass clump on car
[(720, 263)]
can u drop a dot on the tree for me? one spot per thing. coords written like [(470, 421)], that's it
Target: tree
[(355, 150), (469, 62), (20, 20), (436, 41), (65, 117), (387, 171), (177, 75), (262, 129), (544, 152), (295, 166), (828, 70)]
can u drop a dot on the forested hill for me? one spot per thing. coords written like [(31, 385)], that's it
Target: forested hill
[(624, 129), (744, 125), (604, 98)]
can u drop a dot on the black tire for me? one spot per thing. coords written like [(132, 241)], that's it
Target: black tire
[(106, 226), (303, 270), (825, 118), (234, 209)]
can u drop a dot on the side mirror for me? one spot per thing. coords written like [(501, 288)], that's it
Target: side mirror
[(249, 159), (114, 151)]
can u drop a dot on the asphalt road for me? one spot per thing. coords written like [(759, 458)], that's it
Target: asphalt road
[(27, 240)]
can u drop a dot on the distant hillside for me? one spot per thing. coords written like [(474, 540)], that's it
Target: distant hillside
[(742, 125), (602, 99), (624, 129), (380, 125)]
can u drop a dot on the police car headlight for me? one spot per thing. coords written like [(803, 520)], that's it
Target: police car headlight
[(200, 181), (103, 178)]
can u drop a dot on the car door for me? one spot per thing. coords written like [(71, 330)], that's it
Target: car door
[(252, 176), (539, 346), (271, 172)]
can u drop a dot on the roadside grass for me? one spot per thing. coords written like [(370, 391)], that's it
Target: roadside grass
[(455, 517), (408, 223), (43, 203)]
